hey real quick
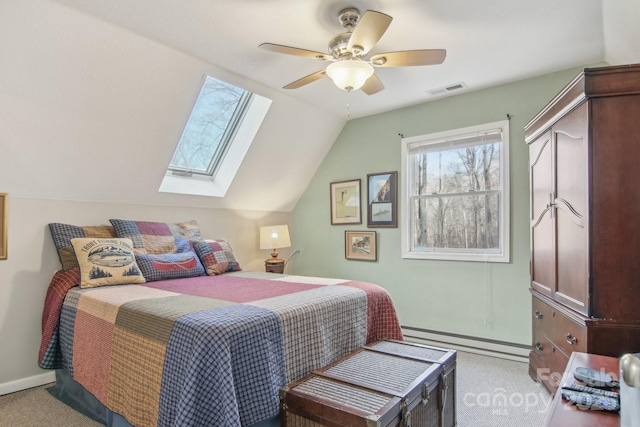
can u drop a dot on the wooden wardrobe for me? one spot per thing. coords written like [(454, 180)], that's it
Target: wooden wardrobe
[(584, 165)]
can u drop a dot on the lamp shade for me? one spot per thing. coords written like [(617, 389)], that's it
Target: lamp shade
[(349, 74), (274, 237)]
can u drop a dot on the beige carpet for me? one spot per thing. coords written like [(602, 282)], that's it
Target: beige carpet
[(491, 392), (36, 407), (498, 393)]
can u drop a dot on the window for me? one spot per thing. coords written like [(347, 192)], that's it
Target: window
[(220, 129), (210, 128), (455, 194)]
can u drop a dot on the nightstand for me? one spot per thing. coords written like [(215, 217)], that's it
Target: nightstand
[(274, 265)]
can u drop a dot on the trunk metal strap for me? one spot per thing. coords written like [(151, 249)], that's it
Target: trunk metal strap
[(406, 413)]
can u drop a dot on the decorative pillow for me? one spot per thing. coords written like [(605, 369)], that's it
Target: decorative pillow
[(106, 262), (169, 266), (216, 256), (63, 233), (157, 238)]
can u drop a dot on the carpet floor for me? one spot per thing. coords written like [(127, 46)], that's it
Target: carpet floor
[(490, 392)]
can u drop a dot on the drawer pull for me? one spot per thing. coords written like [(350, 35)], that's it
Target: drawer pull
[(571, 340), (538, 346), (537, 314)]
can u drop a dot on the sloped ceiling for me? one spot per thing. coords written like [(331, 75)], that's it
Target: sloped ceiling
[(94, 94), (488, 42)]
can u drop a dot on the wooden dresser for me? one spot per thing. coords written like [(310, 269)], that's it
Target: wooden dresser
[(584, 165)]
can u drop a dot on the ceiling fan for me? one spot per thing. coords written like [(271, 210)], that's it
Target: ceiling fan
[(350, 69)]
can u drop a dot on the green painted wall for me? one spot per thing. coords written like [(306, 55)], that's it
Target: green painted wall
[(487, 300)]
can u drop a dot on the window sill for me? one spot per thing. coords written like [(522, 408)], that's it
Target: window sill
[(452, 256)]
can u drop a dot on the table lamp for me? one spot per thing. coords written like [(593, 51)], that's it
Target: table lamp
[(274, 237)]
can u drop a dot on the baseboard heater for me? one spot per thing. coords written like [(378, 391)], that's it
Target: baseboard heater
[(484, 346)]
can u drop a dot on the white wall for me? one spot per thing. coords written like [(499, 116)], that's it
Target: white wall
[(621, 31)]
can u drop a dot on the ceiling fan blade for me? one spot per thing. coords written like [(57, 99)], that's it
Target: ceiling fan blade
[(409, 58), (306, 80), (372, 85), (288, 50), (369, 29)]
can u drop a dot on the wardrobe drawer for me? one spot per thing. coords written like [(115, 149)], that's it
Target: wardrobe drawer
[(562, 331), (568, 335), (554, 360), (542, 315)]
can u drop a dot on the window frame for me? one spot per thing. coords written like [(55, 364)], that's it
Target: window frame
[(502, 254), (249, 116), (217, 157)]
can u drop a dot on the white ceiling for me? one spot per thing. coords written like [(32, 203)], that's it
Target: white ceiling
[(84, 81), (488, 42)]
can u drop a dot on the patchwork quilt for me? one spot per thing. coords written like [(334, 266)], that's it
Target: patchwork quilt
[(206, 350)]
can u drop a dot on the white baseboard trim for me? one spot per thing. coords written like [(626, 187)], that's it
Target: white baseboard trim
[(493, 348), (29, 382)]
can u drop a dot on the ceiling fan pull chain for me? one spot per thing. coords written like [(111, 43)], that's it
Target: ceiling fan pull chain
[(348, 106)]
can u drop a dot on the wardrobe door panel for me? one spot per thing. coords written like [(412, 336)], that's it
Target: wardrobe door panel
[(542, 239), (571, 208)]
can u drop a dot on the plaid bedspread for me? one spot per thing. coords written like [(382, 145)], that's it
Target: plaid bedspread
[(209, 350)]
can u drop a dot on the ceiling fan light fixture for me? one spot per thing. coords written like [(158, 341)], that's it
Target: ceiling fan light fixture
[(351, 69), (349, 74)]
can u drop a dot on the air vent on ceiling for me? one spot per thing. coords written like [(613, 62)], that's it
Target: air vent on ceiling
[(446, 89)]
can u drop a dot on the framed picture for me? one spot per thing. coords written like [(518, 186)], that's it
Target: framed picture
[(360, 245), (345, 202), (4, 206), (382, 199)]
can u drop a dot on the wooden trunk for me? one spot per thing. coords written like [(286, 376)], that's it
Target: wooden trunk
[(388, 383)]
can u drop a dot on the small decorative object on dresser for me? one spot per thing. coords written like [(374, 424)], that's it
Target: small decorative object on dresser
[(584, 148)]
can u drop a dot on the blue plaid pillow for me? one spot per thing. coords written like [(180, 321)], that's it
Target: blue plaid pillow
[(63, 233), (169, 266)]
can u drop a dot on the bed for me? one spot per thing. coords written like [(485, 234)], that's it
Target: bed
[(204, 350)]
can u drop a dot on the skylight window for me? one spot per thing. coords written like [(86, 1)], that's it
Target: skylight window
[(220, 129), (210, 128)]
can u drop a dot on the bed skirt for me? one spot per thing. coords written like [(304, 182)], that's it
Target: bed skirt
[(73, 394)]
